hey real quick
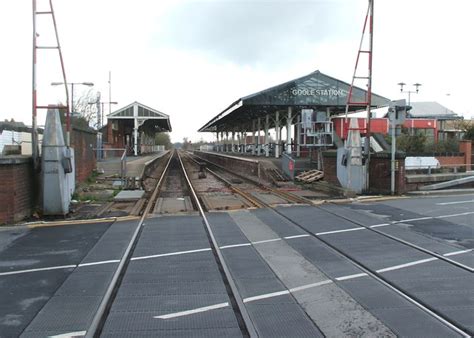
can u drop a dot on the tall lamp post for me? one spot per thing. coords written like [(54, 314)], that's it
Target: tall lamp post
[(68, 121), (409, 92)]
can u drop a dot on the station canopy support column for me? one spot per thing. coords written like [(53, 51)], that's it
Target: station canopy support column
[(267, 141), (253, 138), (288, 130), (278, 134)]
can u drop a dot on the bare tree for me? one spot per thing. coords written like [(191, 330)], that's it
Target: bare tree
[(86, 105)]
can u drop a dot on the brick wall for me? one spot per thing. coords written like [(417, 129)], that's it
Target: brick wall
[(330, 167), (83, 142), (380, 173), (16, 190)]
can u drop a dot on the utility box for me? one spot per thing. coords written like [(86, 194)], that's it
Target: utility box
[(57, 168)]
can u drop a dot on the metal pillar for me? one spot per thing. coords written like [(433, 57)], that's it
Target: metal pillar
[(298, 136), (253, 138), (135, 130), (226, 145), (232, 146), (288, 131), (217, 141), (245, 142), (267, 126), (278, 134), (258, 136)]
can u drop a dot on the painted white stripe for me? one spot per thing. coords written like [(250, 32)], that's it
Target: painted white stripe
[(308, 286), (38, 269), (413, 219), (267, 241), (456, 202), (296, 236), (357, 275), (401, 266), (379, 225), (454, 253), (338, 231), (99, 263), (70, 334), (170, 254), (267, 295), (193, 311), (454, 215), (235, 245)]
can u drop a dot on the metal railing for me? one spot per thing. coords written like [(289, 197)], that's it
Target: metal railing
[(113, 155), (438, 169)]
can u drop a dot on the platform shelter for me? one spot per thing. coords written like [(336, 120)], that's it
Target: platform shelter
[(134, 127), (303, 106)]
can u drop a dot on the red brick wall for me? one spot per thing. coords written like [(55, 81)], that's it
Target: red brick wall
[(330, 168), (83, 143), (380, 174), (450, 160), (16, 190)]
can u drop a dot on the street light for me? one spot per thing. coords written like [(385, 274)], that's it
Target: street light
[(89, 84), (417, 88), (68, 121)]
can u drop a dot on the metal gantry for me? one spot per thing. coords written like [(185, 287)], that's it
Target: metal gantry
[(35, 106)]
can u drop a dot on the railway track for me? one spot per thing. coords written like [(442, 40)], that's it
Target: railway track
[(226, 176), (173, 176)]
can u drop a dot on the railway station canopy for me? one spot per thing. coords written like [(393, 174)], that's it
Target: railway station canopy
[(148, 119), (314, 91)]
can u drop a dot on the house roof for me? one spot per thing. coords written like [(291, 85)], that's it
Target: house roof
[(431, 109), (315, 90)]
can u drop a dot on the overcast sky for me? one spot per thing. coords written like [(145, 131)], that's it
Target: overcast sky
[(191, 59)]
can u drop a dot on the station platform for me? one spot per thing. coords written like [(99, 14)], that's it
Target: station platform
[(136, 165)]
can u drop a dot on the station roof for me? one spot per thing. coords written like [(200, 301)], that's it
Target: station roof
[(151, 118), (316, 91)]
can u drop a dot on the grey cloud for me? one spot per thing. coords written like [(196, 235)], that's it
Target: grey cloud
[(250, 32)]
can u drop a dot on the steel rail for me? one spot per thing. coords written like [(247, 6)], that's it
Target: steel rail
[(426, 308), (235, 292), (402, 241), (100, 316), (303, 200), (229, 184), (377, 276)]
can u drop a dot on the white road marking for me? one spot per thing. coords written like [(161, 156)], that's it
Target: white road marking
[(357, 275), (413, 219), (401, 266), (99, 263), (193, 311), (267, 241), (38, 269), (267, 295), (70, 334), (338, 231), (457, 202), (303, 287), (296, 236), (457, 252), (308, 286), (170, 254), (379, 225), (454, 215), (235, 245)]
